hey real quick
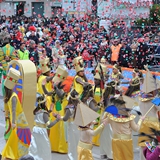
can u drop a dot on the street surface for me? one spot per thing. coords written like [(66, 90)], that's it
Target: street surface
[(55, 156)]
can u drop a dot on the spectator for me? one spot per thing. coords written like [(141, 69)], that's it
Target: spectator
[(23, 53)]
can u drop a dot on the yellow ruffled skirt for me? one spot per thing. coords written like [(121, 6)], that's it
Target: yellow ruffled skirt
[(122, 149), (84, 151), (145, 127)]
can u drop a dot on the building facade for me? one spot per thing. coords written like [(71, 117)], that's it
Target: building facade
[(45, 8)]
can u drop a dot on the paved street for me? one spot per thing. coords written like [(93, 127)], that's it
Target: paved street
[(55, 156)]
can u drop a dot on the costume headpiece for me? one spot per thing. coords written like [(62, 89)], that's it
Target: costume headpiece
[(39, 99), (103, 60), (12, 78), (118, 111), (60, 75), (44, 63), (149, 83), (78, 64), (116, 67), (100, 73), (84, 115), (152, 140)]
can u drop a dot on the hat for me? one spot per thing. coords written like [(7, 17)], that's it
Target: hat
[(84, 115), (130, 102), (149, 83), (103, 60), (12, 78), (60, 75), (116, 67), (39, 99), (100, 71), (32, 28), (78, 64), (44, 63)]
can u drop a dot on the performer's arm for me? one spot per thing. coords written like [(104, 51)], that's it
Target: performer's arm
[(135, 127), (93, 106), (79, 80), (96, 131), (121, 76), (14, 102), (45, 91), (48, 79), (48, 123), (67, 115), (60, 93)]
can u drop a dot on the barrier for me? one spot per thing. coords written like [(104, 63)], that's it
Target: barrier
[(127, 73)]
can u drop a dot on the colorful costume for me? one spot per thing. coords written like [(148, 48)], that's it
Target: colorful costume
[(145, 103), (78, 81), (19, 140), (57, 133), (134, 92), (40, 145), (118, 75), (44, 64), (150, 155), (122, 123), (7, 53), (72, 129), (84, 116), (99, 76)]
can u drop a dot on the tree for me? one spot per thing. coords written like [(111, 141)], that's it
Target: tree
[(154, 17)]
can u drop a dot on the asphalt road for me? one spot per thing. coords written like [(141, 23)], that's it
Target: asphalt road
[(55, 156)]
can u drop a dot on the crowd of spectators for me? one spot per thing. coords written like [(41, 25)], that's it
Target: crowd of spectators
[(34, 38)]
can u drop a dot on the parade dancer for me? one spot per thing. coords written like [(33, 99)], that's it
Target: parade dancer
[(45, 68), (122, 124), (57, 133), (72, 129), (150, 85), (106, 141), (133, 92), (40, 145), (19, 139), (98, 90), (84, 118), (80, 79), (152, 148), (116, 74)]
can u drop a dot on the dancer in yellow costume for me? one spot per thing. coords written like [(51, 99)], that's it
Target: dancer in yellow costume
[(57, 133), (122, 124), (80, 79), (19, 140), (44, 64), (150, 85), (99, 79)]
